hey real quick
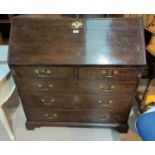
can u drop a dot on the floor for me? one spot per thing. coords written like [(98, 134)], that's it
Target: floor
[(132, 134)]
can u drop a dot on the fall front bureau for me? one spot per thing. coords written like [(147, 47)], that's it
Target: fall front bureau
[(76, 71)]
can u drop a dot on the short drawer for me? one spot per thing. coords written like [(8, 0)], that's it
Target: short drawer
[(74, 101), (43, 72), (76, 116), (44, 85), (75, 86), (121, 74)]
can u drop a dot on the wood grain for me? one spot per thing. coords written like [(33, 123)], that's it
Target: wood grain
[(69, 75), (99, 42)]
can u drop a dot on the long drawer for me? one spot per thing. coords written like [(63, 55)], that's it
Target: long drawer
[(120, 74), (75, 86), (76, 116), (75, 101), (43, 72)]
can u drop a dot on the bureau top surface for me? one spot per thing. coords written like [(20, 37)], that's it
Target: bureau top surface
[(70, 41)]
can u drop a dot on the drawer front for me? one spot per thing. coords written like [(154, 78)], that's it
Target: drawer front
[(57, 101), (75, 86), (104, 102), (76, 116), (121, 74), (43, 72), (105, 87), (50, 86)]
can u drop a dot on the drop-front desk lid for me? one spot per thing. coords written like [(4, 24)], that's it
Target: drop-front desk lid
[(70, 41)]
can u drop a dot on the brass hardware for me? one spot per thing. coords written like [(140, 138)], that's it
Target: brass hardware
[(76, 24), (48, 72), (51, 116), (50, 85), (41, 86), (100, 101), (107, 89), (42, 73), (43, 100), (105, 74), (104, 104), (110, 102), (37, 71), (52, 100), (103, 118), (48, 103)]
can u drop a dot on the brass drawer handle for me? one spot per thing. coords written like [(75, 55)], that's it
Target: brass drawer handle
[(50, 116), (48, 103), (40, 85), (107, 89), (42, 73), (76, 24), (103, 118), (105, 104), (50, 85), (112, 75), (42, 88)]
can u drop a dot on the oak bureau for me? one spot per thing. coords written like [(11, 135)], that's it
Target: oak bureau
[(76, 71)]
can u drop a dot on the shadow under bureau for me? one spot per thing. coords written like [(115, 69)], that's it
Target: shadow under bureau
[(76, 71)]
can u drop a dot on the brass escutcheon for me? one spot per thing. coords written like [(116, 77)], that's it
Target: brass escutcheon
[(76, 24)]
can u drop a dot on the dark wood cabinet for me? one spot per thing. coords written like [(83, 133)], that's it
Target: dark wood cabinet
[(77, 71)]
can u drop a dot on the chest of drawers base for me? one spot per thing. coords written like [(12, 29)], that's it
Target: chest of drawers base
[(31, 125)]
